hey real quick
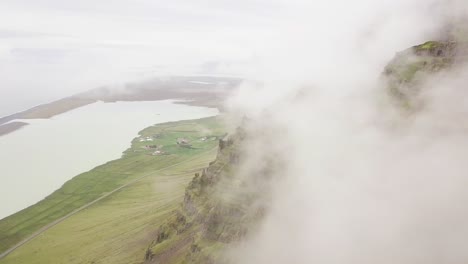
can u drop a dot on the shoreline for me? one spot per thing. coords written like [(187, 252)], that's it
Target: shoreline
[(65, 158), (206, 91), (9, 124), (11, 127), (59, 205)]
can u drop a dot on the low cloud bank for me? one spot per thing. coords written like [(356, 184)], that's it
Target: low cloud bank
[(360, 181)]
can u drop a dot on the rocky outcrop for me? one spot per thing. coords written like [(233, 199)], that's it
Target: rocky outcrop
[(216, 211), (406, 72)]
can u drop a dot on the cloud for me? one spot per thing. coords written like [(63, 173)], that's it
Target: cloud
[(86, 44), (361, 183)]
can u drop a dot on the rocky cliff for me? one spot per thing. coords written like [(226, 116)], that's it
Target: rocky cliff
[(407, 71), (218, 209), (221, 206)]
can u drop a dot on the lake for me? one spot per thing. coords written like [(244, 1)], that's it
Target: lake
[(39, 158)]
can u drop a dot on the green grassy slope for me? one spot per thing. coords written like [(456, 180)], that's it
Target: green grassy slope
[(117, 228)]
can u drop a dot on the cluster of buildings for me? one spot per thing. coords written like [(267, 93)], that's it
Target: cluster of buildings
[(144, 139), (183, 142), (157, 149)]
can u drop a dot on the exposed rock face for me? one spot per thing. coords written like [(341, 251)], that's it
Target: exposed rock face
[(406, 71), (218, 209)]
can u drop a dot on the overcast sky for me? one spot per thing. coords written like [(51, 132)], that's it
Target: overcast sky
[(53, 48)]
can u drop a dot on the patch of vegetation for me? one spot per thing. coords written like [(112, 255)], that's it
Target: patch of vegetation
[(429, 45)]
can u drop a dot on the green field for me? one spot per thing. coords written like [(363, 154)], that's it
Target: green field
[(119, 227)]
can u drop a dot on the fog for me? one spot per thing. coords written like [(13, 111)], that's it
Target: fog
[(361, 180), (50, 49)]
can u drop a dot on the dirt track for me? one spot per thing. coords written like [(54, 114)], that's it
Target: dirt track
[(45, 228)]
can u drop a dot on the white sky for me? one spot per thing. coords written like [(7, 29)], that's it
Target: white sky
[(53, 48)]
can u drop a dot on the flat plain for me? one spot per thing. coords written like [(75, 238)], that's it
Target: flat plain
[(135, 194)]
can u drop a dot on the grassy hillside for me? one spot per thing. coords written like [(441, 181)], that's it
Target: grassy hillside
[(117, 228)]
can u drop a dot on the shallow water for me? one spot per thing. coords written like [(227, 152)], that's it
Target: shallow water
[(42, 156)]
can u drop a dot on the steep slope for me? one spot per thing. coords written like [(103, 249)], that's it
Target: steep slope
[(220, 208), (406, 72)]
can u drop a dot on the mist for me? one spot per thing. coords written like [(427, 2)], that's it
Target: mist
[(361, 181), (346, 174), (52, 49)]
